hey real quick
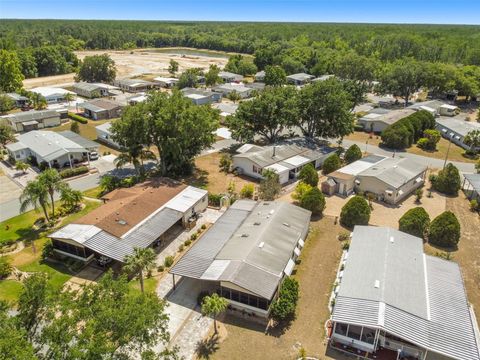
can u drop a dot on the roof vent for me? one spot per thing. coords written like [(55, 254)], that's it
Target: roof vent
[(122, 222), (261, 245), (271, 212), (286, 224), (392, 239), (256, 223), (377, 284), (244, 235)]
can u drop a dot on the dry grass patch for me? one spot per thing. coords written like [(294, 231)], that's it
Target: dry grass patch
[(208, 175)]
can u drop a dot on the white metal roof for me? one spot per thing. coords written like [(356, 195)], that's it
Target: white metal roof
[(186, 199), (195, 96), (277, 168), (449, 107), (358, 166), (77, 232), (46, 91), (297, 160), (166, 79)]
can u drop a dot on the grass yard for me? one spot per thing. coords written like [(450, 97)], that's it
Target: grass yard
[(363, 137), (20, 229), (92, 193), (150, 284), (316, 274), (207, 175), (467, 255), (88, 131)]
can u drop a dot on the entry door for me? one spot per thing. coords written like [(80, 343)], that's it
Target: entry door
[(341, 189)]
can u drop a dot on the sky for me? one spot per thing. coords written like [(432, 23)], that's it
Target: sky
[(373, 11)]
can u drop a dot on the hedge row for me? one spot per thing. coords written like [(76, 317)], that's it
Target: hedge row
[(78, 118), (408, 130), (73, 172)]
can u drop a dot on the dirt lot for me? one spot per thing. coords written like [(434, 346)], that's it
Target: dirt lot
[(208, 175), (248, 341), (467, 255), (132, 63)]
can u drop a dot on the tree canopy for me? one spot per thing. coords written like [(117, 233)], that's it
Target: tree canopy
[(97, 68), (448, 180), (445, 230), (11, 76), (355, 212), (352, 154), (415, 222)]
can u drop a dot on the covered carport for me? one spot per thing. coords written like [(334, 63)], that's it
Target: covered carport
[(471, 186)]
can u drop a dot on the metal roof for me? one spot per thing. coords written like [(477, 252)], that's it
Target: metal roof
[(89, 86), (432, 104), (288, 149), (474, 180), (250, 246), (32, 115), (389, 118), (109, 245), (47, 91), (363, 164), (187, 198), (389, 283), (17, 97), (48, 145), (105, 127), (80, 140), (77, 232), (99, 105), (458, 125), (394, 172), (301, 77)]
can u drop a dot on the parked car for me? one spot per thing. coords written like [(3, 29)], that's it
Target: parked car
[(93, 155)]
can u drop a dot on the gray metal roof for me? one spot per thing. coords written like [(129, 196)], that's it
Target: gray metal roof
[(301, 77), (80, 140), (109, 245), (394, 172), (99, 105), (457, 125), (389, 118), (32, 115), (433, 104), (226, 75), (389, 283), (89, 86), (150, 230), (250, 246), (474, 180), (48, 144), (286, 150), (17, 97)]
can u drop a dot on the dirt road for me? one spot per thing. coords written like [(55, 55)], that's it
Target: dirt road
[(131, 63)]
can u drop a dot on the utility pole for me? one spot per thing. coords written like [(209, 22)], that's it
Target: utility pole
[(448, 150)]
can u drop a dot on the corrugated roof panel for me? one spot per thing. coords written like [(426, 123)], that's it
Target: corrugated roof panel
[(109, 245)]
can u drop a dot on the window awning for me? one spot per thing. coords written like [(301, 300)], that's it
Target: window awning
[(289, 268), (297, 251), (357, 182), (419, 179), (301, 243), (390, 192), (400, 192)]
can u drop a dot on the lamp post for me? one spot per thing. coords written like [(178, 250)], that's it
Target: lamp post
[(366, 146)]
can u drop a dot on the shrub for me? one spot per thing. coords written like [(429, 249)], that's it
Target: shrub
[(344, 236), (415, 222), (73, 172), (194, 237), (47, 250), (161, 268), (331, 164), (309, 175), (203, 227), (187, 242), (181, 248), (300, 190), (214, 199), (433, 137), (448, 180), (355, 212), (5, 267), (283, 308), (422, 143), (474, 205), (168, 261), (225, 163), (313, 200), (406, 131), (418, 195), (270, 186), (353, 154), (78, 118), (445, 230), (247, 191)]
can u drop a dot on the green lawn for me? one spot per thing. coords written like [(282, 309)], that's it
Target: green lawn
[(150, 284), (29, 258), (92, 193)]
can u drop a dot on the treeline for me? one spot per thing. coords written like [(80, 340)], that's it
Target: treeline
[(442, 43)]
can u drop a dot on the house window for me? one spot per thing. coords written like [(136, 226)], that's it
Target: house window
[(341, 329), (354, 332), (257, 170)]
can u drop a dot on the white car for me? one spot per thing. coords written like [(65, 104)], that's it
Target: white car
[(93, 155)]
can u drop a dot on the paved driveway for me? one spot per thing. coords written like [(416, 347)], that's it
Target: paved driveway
[(8, 189)]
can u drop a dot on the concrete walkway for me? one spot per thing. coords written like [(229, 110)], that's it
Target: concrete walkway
[(187, 326)]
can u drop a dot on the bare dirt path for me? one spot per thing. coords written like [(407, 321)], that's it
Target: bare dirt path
[(131, 63)]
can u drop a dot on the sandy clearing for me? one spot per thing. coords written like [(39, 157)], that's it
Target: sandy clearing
[(132, 63)]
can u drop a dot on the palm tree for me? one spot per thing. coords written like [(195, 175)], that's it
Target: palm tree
[(53, 182), (20, 165), (68, 98), (141, 260), (135, 155), (70, 198), (213, 306), (35, 194)]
